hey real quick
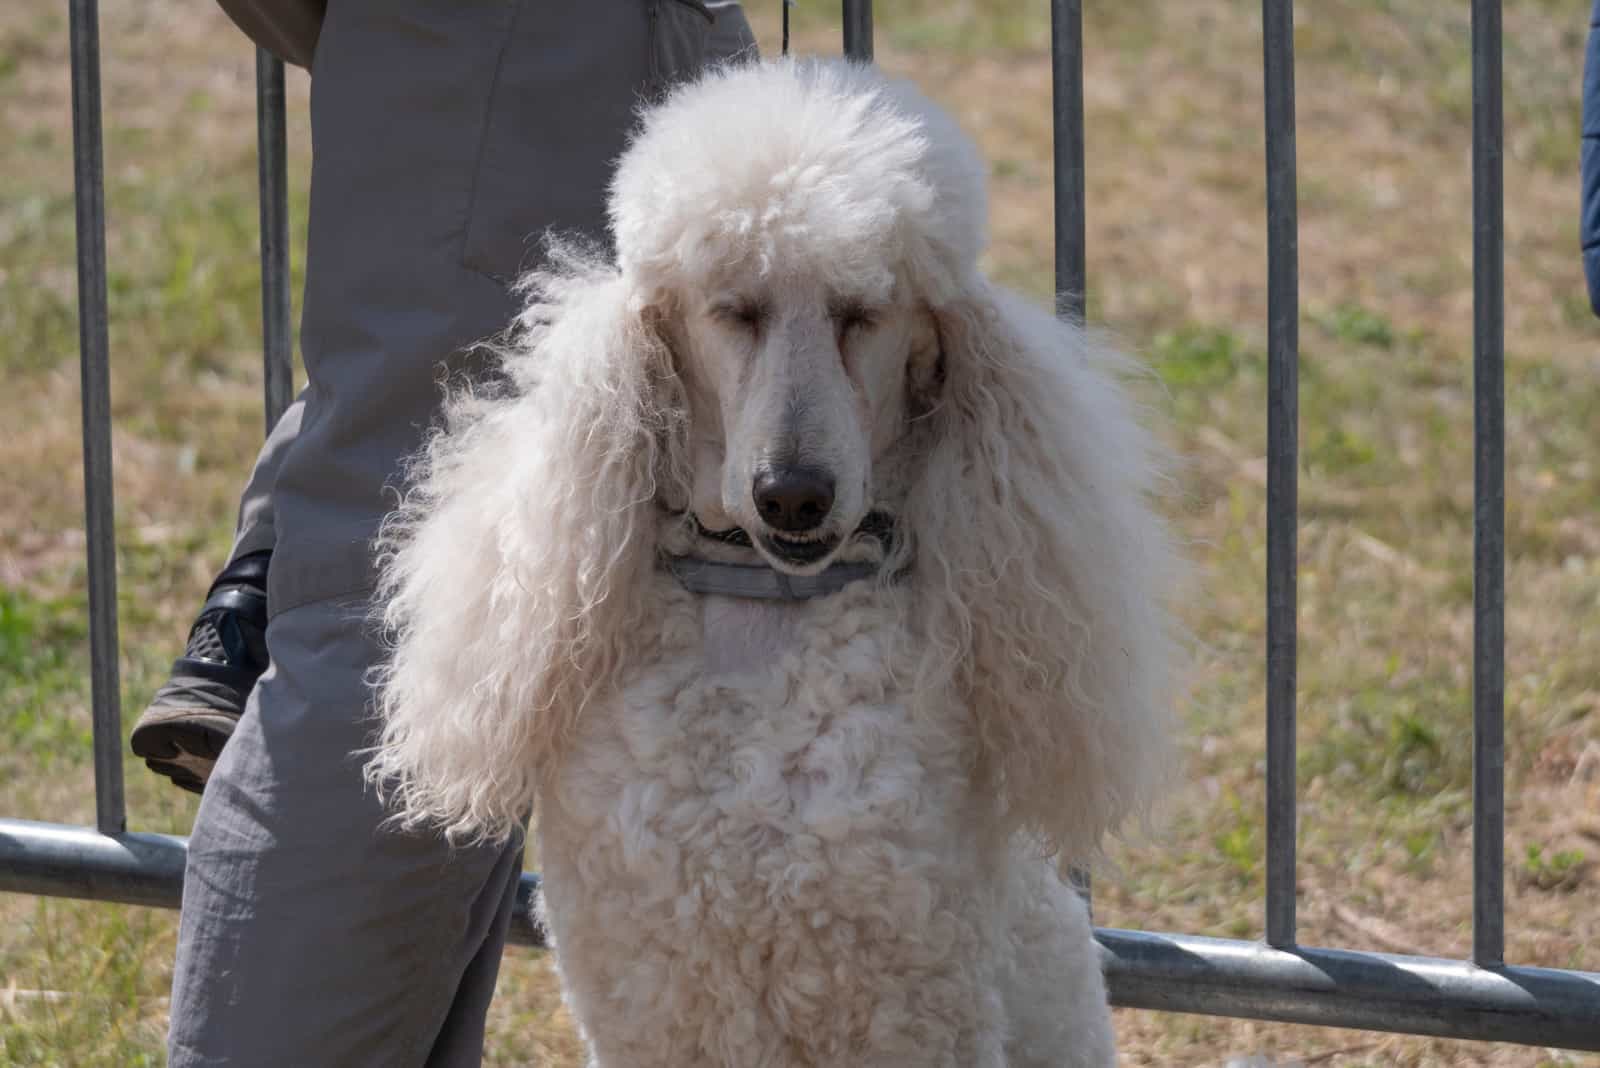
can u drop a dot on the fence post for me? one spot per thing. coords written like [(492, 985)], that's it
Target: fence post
[(1066, 101), (858, 30), (1489, 493), (1069, 170), (273, 178), (94, 361), (1283, 444)]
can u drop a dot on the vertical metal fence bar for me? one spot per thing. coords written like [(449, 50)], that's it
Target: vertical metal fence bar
[(1283, 316), (1066, 112), (94, 359), (1066, 91), (273, 168), (858, 29), (1489, 498)]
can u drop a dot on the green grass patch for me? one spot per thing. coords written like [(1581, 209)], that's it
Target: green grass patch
[(42, 659), (38, 287), (1239, 841), (1393, 741), (86, 992), (1340, 449), (1356, 325), (1202, 357), (1552, 869)]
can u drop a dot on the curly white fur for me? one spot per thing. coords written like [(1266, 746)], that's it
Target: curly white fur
[(792, 834)]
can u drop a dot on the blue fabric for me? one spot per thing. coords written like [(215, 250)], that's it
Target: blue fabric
[(1590, 225)]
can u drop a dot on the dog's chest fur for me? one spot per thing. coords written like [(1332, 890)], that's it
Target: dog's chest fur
[(791, 851), (743, 638)]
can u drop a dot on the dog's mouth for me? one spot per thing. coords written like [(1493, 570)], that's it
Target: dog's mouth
[(800, 555), (799, 552)]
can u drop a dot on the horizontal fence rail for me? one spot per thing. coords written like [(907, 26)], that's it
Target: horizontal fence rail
[(1279, 980), (1174, 973)]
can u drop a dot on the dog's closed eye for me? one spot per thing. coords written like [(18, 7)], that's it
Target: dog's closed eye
[(851, 315), (745, 314)]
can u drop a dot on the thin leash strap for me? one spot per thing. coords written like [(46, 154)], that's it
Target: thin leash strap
[(787, 4)]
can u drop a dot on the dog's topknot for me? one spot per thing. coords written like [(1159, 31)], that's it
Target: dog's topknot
[(808, 164)]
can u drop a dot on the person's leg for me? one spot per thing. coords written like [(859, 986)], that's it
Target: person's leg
[(460, 1038), (446, 133), (311, 935), (193, 713), (256, 530)]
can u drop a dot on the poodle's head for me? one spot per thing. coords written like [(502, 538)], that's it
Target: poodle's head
[(791, 227), (794, 335)]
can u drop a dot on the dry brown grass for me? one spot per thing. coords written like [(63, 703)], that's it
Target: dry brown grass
[(1177, 269)]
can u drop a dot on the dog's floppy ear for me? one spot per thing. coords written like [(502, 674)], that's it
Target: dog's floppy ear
[(506, 576), (1044, 570)]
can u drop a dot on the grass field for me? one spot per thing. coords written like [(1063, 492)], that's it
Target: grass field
[(1177, 270)]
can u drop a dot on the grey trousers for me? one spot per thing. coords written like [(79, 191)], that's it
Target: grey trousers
[(447, 136)]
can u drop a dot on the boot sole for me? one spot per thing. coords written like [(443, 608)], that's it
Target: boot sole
[(182, 743)]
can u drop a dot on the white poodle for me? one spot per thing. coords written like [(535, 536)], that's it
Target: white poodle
[(805, 586)]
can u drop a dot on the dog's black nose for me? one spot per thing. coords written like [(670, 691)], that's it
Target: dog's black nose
[(793, 498)]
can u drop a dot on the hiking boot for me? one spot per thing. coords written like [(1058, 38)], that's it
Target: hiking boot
[(193, 715)]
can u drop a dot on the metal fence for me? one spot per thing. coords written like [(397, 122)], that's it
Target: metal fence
[(1279, 980)]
